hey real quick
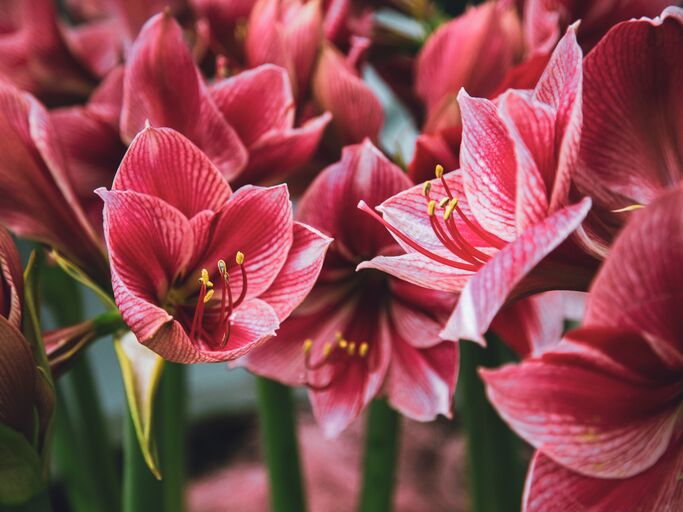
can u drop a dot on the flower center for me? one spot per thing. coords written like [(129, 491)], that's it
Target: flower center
[(338, 353), (446, 230), (219, 312)]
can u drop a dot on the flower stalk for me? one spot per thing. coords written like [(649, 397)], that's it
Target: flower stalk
[(278, 431)]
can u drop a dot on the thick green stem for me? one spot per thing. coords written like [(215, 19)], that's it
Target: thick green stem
[(381, 453), (494, 453), (171, 429), (141, 491), (278, 431)]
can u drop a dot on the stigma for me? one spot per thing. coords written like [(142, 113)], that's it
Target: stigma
[(442, 214), (220, 311)]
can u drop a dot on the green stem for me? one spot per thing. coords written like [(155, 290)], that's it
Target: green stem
[(496, 467), (381, 452), (171, 428), (278, 431), (141, 491), (39, 503)]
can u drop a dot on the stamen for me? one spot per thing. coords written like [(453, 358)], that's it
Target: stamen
[(430, 207), (629, 208), (352, 348), (226, 309), (208, 296), (239, 259), (438, 171), (327, 349), (426, 188), (443, 201), (363, 349), (307, 346), (449, 209)]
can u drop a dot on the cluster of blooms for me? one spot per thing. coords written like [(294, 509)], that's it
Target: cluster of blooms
[(154, 145)]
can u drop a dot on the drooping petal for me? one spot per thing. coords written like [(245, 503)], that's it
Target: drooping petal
[(551, 487), (162, 86), (356, 111), (632, 100), (552, 403), (640, 285), (300, 271), (487, 291), (163, 163), (330, 201), (258, 222), (256, 101), (430, 150), (265, 39), (11, 280), (421, 382)]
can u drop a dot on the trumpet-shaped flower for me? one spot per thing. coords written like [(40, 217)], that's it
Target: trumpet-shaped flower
[(362, 334), (603, 407), (484, 229), (201, 274)]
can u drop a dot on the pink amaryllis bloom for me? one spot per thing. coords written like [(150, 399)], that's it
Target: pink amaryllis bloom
[(545, 20), (38, 196), (246, 136), (487, 230), (200, 273), (362, 334), (632, 100), (603, 407)]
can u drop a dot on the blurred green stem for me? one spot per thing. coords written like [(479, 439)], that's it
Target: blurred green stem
[(381, 454), (496, 468), (278, 431), (172, 428), (141, 491)]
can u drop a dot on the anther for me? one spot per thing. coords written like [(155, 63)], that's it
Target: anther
[(308, 344), (352, 348), (327, 349), (426, 188), (443, 202), (222, 268), (343, 343), (449, 209), (208, 296), (363, 349), (438, 170), (430, 207), (239, 258)]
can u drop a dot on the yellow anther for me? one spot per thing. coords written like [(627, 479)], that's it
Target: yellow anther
[(438, 170), (307, 345), (449, 209), (352, 348), (327, 349), (239, 257), (205, 278), (222, 268), (363, 349), (443, 202), (430, 207), (208, 296), (629, 208), (343, 343), (426, 188)]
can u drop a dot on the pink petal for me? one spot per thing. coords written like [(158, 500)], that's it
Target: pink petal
[(487, 291), (330, 201), (553, 404), (300, 271), (161, 162), (553, 488), (356, 111), (97, 44), (258, 222), (265, 40), (632, 100), (473, 51), (420, 270), (278, 154), (421, 383), (640, 286), (11, 280), (489, 168), (149, 241), (303, 34), (162, 85), (431, 150), (256, 101)]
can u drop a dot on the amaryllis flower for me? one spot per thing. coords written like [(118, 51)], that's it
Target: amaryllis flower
[(38, 198), (603, 407), (545, 20), (22, 390), (481, 51), (360, 334), (632, 100), (484, 229), (241, 132), (201, 274)]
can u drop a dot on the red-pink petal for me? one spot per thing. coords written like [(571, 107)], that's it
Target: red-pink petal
[(163, 163), (356, 111), (11, 280), (300, 271), (162, 85), (487, 291), (632, 100), (430, 150), (553, 488), (640, 287), (97, 44)]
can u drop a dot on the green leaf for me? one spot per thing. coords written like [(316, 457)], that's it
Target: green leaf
[(141, 370), (77, 274), (20, 468)]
